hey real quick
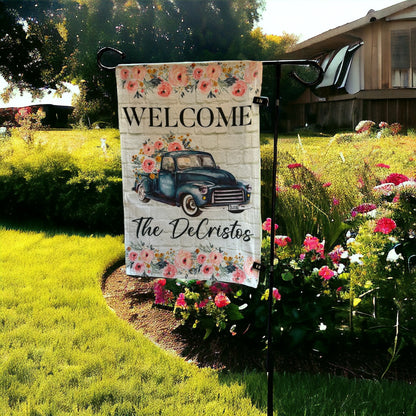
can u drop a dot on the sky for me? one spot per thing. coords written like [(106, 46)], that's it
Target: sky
[(308, 18)]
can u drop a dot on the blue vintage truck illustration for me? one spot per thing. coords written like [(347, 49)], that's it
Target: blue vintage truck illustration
[(192, 180)]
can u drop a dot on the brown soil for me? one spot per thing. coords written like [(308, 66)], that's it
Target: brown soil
[(131, 298)]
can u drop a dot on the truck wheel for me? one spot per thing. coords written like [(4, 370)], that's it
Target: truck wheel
[(141, 193), (189, 206)]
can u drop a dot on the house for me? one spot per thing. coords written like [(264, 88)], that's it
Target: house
[(369, 72), (56, 108)]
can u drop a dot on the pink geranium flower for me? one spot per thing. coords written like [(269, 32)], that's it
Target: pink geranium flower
[(221, 300), (326, 273), (181, 302), (385, 225), (267, 225)]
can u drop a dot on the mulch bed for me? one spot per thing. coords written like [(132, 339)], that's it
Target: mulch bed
[(131, 298)]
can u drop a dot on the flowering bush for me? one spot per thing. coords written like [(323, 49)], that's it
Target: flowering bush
[(366, 127), (29, 121)]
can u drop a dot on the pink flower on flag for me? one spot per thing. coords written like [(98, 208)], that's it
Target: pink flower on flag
[(252, 72), (124, 73), (215, 258), (133, 255), (198, 72), (169, 271), (385, 225), (138, 72), (326, 273), (147, 255), (132, 86), (207, 269), (158, 144), (213, 71), (148, 149), (139, 267), (201, 258), (239, 88), (148, 165), (205, 86), (183, 259), (164, 89), (238, 276), (174, 147), (178, 76)]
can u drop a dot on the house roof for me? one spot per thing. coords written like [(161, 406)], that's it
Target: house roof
[(343, 35)]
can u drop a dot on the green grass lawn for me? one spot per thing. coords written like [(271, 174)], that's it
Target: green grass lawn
[(64, 352)]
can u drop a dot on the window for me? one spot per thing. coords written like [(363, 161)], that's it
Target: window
[(403, 58)]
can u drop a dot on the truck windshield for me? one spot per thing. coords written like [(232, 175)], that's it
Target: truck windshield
[(195, 161)]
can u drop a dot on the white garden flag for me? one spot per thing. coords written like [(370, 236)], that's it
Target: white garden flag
[(191, 169)]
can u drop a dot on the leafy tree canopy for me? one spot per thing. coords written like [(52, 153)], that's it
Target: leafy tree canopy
[(46, 42)]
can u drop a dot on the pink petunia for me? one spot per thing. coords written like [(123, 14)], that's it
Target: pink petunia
[(326, 273), (385, 225)]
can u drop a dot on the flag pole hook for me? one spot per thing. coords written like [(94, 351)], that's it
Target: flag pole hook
[(108, 49)]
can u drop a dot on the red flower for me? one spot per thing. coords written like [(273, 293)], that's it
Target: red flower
[(363, 209), (221, 300), (181, 302), (294, 165), (327, 184), (382, 165), (396, 178), (296, 186), (385, 225)]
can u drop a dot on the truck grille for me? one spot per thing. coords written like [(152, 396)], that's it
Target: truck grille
[(228, 196)]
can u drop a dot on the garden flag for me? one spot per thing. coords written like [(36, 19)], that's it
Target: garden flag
[(191, 169)]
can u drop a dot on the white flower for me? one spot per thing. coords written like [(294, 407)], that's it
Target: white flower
[(393, 256), (355, 258), (341, 268), (407, 184), (350, 240), (322, 326)]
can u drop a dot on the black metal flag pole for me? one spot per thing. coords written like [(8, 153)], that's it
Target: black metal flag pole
[(278, 72)]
